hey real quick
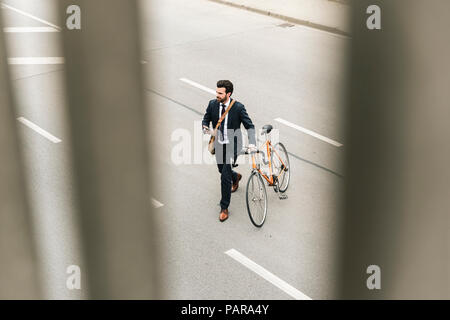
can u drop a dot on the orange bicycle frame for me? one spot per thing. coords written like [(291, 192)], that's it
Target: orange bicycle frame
[(269, 179)]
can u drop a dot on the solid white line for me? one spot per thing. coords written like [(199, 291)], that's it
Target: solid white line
[(311, 133), (156, 203), (29, 29), (324, 31), (26, 14), (39, 130), (239, 257), (36, 60), (198, 85)]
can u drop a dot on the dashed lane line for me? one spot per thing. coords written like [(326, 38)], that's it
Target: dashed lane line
[(35, 60), (39, 130), (273, 279), (26, 14)]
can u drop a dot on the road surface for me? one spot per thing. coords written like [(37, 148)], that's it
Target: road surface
[(289, 76)]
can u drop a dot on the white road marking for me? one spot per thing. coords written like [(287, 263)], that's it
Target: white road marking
[(198, 85), (26, 14), (156, 203), (29, 29), (39, 130), (36, 60), (343, 36), (311, 133), (239, 257)]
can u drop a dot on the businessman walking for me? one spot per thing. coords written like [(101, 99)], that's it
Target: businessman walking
[(228, 141)]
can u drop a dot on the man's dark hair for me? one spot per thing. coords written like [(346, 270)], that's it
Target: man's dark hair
[(225, 84)]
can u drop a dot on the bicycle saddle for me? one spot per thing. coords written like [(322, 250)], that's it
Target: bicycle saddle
[(266, 129)]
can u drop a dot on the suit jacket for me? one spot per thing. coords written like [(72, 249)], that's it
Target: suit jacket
[(236, 116)]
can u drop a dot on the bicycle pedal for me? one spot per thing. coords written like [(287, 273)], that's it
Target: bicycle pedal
[(283, 196)]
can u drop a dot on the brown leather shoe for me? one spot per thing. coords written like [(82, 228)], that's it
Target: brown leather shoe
[(223, 215), (235, 185)]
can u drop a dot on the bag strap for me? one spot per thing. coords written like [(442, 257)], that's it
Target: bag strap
[(224, 114)]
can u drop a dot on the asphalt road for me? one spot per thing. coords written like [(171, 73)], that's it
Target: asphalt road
[(295, 74)]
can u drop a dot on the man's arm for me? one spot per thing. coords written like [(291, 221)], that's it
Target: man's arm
[(207, 117), (248, 124)]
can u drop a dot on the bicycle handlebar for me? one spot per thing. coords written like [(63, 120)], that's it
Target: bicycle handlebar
[(245, 151)]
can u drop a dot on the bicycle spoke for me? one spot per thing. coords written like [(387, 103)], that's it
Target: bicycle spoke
[(262, 208), (283, 176)]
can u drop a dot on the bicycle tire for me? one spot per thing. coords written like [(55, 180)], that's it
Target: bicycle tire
[(283, 184), (257, 219)]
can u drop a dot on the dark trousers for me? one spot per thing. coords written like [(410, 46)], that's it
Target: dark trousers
[(224, 157)]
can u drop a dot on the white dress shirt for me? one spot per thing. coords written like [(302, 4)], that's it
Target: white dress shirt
[(222, 108)]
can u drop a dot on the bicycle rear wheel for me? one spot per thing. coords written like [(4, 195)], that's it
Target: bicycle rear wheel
[(256, 199), (281, 166)]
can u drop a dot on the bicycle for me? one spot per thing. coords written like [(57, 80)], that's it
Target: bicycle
[(278, 177)]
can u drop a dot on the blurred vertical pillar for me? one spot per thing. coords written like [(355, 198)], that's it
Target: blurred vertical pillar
[(397, 197), (18, 267), (108, 125)]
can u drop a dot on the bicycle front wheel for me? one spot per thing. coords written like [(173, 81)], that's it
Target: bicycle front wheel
[(256, 199)]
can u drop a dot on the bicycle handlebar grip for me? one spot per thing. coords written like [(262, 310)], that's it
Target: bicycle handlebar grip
[(245, 151)]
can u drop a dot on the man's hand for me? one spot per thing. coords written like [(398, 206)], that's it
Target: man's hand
[(205, 130), (252, 148)]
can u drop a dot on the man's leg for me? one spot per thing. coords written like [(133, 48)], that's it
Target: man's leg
[(226, 179), (233, 157), (233, 175), (219, 156), (233, 150), (226, 182), (225, 175)]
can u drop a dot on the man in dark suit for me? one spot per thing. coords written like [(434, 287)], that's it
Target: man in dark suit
[(228, 141)]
